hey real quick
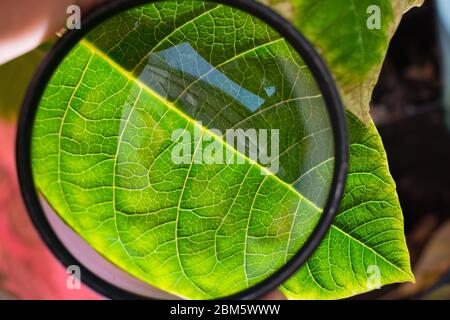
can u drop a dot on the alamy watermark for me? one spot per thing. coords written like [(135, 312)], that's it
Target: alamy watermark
[(234, 146), (74, 19), (374, 19), (73, 281), (373, 277)]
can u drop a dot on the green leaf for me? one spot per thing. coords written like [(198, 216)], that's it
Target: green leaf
[(366, 234), (339, 31), (103, 146), (368, 230), (91, 159)]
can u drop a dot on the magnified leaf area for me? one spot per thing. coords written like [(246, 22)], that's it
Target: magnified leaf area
[(188, 143)]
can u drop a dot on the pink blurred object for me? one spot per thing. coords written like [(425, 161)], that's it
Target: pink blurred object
[(28, 269)]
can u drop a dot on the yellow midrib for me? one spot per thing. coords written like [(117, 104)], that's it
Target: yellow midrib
[(90, 46)]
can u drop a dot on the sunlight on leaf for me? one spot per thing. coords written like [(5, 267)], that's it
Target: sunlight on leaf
[(103, 147), (367, 231)]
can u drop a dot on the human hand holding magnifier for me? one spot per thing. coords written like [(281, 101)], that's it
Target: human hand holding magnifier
[(192, 149)]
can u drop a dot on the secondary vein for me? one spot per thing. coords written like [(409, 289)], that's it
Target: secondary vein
[(90, 46)]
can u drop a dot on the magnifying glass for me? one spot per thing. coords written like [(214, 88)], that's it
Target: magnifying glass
[(182, 149)]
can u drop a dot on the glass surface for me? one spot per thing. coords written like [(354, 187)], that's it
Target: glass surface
[(187, 143)]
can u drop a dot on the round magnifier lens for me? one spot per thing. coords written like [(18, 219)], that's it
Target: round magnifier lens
[(191, 149)]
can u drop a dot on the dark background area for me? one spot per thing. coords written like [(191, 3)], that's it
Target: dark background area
[(408, 112)]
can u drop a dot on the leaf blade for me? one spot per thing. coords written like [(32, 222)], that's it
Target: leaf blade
[(102, 158), (356, 231)]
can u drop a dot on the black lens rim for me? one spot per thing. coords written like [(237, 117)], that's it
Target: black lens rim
[(52, 60)]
